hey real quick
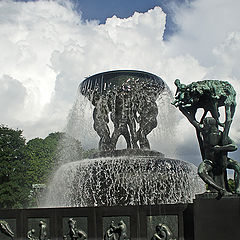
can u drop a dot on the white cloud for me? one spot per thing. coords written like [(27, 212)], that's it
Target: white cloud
[(47, 50), (13, 95), (204, 25)]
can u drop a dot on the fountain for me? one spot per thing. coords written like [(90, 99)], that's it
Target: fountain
[(124, 105), (134, 192)]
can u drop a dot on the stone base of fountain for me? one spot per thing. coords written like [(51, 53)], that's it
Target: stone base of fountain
[(138, 177), (127, 152)]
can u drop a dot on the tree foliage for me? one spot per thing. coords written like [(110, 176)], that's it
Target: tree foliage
[(41, 157), (13, 166), (24, 165)]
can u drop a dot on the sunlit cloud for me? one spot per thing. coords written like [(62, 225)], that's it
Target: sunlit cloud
[(47, 50)]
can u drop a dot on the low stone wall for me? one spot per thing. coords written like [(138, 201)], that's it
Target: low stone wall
[(140, 221)]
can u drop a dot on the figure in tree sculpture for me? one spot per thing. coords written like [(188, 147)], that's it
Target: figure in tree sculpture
[(214, 144)]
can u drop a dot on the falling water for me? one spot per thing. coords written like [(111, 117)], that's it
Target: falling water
[(127, 179), (162, 138), (124, 181)]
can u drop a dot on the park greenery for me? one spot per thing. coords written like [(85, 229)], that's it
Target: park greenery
[(24, 164)]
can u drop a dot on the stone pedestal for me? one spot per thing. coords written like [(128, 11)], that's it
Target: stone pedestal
[(216, 219)]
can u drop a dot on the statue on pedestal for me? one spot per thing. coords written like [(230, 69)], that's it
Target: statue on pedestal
[(214, 143)]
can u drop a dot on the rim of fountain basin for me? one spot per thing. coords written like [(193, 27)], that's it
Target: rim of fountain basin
[(127, 153), (102, 79)]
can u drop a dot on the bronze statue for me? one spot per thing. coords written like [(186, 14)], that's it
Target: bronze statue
[(100, 116), (129, 98), (148, 111), (31, 235), (116, 232), (110, 233), (162, 233), (120, 118), (209, 95), (214, 144), (5, 229), (75, 233), (42, 232)]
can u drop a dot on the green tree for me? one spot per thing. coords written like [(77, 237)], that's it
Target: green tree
[(42, 158), (24, 165), (231, 185), (13, 164), (45, 155)]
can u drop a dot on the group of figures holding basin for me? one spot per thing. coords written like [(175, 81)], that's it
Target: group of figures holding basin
[(130, 106)]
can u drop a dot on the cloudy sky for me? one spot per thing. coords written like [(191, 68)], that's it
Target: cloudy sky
[(49, 47)]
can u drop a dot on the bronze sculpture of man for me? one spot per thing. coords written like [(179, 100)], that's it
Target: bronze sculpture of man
[(214, 144)]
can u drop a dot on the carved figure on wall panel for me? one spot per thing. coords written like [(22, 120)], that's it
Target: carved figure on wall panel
[(162, 233), (31, 235), (74, 233), (42, 232), (116, 232), (110, 233), (5, 229)]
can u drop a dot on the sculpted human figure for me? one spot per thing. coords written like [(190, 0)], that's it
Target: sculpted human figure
[(116, 232), (5, 229), (119, 117), (75, 233), (100, 117), (215, 158), (180, 93), (147, 119), (121, 229), (43, 230), (110, 233), (162, 233), (31, 235)]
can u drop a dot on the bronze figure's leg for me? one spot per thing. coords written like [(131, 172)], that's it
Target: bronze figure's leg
[(204, 170)]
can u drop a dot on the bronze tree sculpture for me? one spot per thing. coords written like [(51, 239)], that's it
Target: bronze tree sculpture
[(214, 143)]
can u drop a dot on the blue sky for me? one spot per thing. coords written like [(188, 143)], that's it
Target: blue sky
[(49, 47), (101, 10)]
